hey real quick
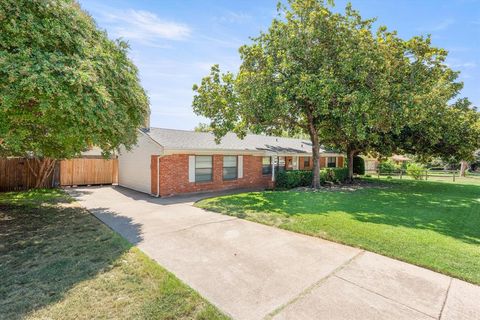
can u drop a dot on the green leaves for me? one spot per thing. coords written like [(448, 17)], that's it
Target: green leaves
[(65, 86), (330, 75)]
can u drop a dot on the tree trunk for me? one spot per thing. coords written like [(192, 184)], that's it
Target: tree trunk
[(316, 162), (463, 168), (351, 154), (315, 149), (42, 171)]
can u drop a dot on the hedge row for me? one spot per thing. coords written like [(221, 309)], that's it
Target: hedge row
[(300, 178)]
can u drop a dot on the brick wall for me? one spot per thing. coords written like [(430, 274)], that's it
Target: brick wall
[(174, 175)]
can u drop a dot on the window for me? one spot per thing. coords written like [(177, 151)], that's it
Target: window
[(267, 165), (331, 162), (281, 164), (203, 168), (306, 162), (230, 167)]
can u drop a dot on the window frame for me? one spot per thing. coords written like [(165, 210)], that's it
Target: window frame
[(269, 166), (306, 162), (236, 168), (334, 162), (196, 169)]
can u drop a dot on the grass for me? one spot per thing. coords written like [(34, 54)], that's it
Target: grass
[(59, 262), (430, 224)]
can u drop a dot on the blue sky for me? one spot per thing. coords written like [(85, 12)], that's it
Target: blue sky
[(174, 43)]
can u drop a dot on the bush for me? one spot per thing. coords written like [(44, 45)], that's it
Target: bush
[(388, 166), (358, 165), (293, 179), (303, 178), (334, 174), (415, 170)]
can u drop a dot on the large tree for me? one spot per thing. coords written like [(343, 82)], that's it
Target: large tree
[(450, 132), (328, 75), (64, 85)]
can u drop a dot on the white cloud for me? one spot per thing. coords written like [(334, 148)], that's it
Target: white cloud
[(141, 25), (234, 17), (457, 63), (465, 65)]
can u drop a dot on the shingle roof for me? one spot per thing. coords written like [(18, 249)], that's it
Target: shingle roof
[(192, 140)]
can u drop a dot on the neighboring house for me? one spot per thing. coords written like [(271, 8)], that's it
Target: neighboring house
[(167, 162), (371, 164)]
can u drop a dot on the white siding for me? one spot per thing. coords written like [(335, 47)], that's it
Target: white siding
[(134, 165)]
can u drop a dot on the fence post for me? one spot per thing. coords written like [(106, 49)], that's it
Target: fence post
[(401, 173), (454, 175), (426, 175)]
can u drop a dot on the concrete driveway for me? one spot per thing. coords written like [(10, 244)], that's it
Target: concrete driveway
[(252, 271)]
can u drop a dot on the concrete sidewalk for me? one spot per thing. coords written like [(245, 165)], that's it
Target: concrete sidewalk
[(252, 271)]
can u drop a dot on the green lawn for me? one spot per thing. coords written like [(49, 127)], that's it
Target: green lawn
[(59, 262), (431, 224)]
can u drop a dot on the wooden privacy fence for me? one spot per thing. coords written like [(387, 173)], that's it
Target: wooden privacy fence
[(15, 174), (84, 171)]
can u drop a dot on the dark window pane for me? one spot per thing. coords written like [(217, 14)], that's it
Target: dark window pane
[(306, 161), (203, 174), (230, 173), (331, 162), (267, 169)]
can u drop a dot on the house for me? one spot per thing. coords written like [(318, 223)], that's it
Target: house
[(371, 164), (168, 162)]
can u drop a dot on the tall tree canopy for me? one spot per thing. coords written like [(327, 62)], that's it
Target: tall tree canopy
[(329, 75), (64, 85)]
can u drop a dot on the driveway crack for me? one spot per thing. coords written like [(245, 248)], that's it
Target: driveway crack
[(313, 286), (197, 225), (385, 297), (446, 297)]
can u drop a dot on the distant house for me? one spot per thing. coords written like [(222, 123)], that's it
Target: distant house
[(371, 164), (167, 162)]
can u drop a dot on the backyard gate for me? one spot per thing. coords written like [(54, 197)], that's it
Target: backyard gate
[(85, 171)]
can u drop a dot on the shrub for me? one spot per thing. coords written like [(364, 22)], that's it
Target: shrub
[(358, 165), (293, 179), (303, 178), (415, 170), (388, 166), (334, 174)]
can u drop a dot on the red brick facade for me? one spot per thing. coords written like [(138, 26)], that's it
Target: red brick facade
[(174, 174)]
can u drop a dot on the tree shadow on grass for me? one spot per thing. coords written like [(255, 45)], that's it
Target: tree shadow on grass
[(46, 250), (452, 210)]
